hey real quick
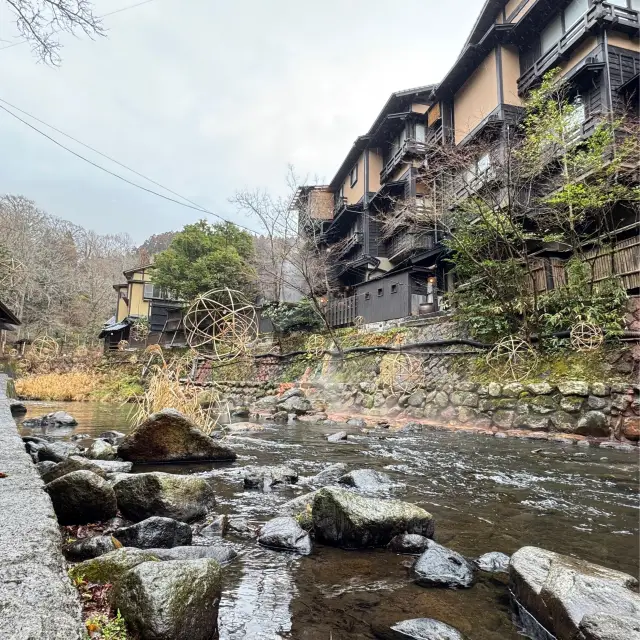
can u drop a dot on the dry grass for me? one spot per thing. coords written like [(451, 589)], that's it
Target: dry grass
[(168, 387), (58, 386)]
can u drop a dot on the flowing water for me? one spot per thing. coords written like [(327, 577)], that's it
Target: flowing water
[(486, 494)]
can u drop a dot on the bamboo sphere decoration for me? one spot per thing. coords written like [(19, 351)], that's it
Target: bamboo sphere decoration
[(514, 353), (122, 345), (139, 330), (44, 348), (358, 322), (315, 345), (221, 323), (586, 336), (401, 372)]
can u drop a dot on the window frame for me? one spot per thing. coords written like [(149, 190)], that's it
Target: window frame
[(380, 292), (353, 175), (394, 288)]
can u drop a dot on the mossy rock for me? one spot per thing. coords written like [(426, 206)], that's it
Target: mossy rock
[(108, 568)]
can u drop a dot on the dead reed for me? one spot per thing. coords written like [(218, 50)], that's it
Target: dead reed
[(60, 387)]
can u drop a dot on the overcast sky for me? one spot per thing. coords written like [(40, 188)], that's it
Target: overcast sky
[(210, 97)]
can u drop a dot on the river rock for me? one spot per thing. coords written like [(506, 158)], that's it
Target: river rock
[(216, 528), (410, 543), (360, 423), (57, 451), (142, 495), (573, 388), (328, 475), (45, 467), (221, 552), (267, 477), (112, 437), (169, 436), (81, 497), (442, 567), (102, 450), (337, 437), (561, 591), (604, 626), (243, 427), (71, 464), (55, 419), (111, 566), (365, 479), (343, 518), (87, 548), (113, 466), (296, 405), (493, 562), (291, 393), (155, 532), (593, 423), (285, 533), (17, 408), (417, 629), (175, 600), (300, 508)]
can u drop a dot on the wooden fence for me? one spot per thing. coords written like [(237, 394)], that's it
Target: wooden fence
[(342, 313)]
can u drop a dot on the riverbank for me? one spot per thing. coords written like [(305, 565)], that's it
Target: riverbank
[(37, 599)]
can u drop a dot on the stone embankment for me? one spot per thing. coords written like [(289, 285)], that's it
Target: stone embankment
[(605, 412), (37, 599)]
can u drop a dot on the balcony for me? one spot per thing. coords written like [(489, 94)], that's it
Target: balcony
[(346, 246), (598, 13), (404, 244), (408, 149)]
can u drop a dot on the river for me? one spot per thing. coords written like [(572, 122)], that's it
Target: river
[(486, 494)]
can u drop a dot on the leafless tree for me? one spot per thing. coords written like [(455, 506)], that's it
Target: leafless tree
[(40, 22)]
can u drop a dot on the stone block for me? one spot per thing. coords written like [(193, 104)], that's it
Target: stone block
[(495, 390), (543, 404), (466, 386), (535, 423), (563, 421), (600, 389), (441, 399), (596, 402), (512, 390), (571, 404), (503, 418), (417, 398), (573, 388), (467, 414), (464, 399), (539, 388)]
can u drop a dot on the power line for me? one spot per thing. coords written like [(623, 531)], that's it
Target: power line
[(132, 6), (104, 155), (116, 175)]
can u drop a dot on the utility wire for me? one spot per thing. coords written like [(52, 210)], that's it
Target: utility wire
[(116, 175), (104, 155), (104, 15)]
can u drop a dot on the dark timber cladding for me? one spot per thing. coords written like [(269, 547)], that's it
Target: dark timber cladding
[(37, 599), (8, 320)]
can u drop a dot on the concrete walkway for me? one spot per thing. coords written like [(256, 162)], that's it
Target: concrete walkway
[(37, 599)]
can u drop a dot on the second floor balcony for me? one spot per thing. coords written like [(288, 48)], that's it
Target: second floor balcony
[(405, 243), (410, 148), (346, 246)]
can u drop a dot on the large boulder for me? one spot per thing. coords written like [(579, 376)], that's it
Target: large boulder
[(339, 436), (102, 450), (142, 495), (111, 566), (442, 567), (296, 405), (365, 479), (605, 626), (112, 437), (300, 508), (285, 533), (81, 497), (328, 475), (57, 451), (71, 464), (17, 408), (169, 436), (87, 548), (561, 592), (155, 532), (343, 518), (221, 552), (113, 466), (216, 528), (267, 477), (417, 629), (243, 427), (175, 600), (593, 423)]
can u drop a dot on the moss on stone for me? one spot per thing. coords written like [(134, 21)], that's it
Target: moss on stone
[(109, 567)]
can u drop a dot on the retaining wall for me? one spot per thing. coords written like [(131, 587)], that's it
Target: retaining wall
[(37, 599)]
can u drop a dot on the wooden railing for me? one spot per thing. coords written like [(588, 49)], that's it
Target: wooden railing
[(405, 243), (408, 147), (608, 12), (342, 312), (345, 247)]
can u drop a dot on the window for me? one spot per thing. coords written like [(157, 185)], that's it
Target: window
[(367, 296), (574, 11), (551, 34), (380, 292), (420, 132), (484, 163), (148, 290), (354, 175), (152, 291), (394, 288)]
